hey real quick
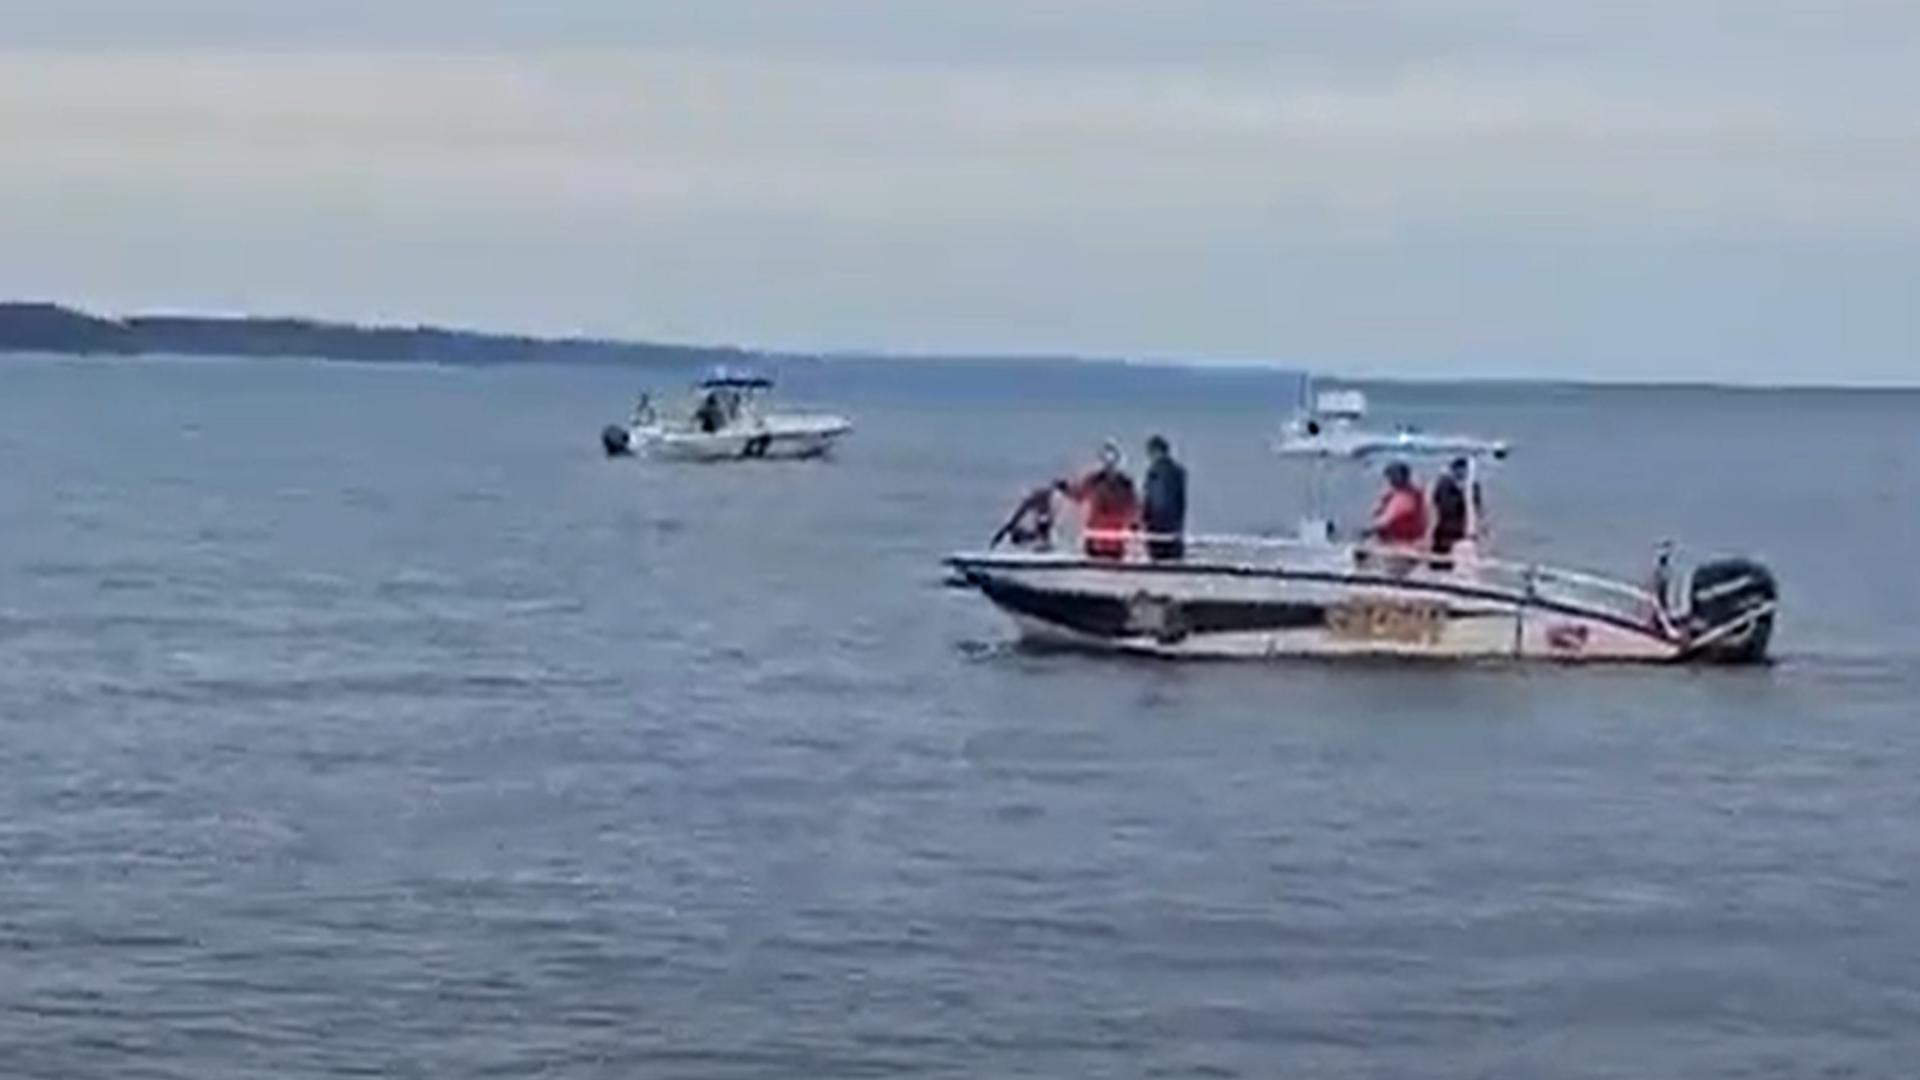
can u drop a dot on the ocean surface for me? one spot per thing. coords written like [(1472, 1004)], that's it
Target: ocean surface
[(364, 720)]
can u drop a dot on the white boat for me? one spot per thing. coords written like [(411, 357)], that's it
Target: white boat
[(1317, 595), (728, 421)]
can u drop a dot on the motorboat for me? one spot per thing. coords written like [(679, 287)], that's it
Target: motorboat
[(726, 421), (1319, 594)]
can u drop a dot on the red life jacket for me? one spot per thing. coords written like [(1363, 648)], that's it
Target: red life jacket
[(1402, 517), (1111, 507)]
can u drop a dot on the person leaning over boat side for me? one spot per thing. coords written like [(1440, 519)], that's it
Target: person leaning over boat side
[(1110, 506), (1401, 518), (1164, 508), (1031, 526)]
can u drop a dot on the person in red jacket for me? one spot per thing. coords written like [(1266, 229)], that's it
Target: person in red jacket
[(1111, 506), (1401, 518)]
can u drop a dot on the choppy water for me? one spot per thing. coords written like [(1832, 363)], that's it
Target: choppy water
[(364, 721)]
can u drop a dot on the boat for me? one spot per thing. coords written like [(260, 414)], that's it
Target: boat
[(1318, 594), (727, 421)]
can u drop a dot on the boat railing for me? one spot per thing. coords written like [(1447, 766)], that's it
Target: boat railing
[(1463, 566)]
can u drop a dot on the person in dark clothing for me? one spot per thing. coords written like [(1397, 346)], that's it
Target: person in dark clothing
[(711, 414), (1164, 513), (1031, 525), (1450, 507)]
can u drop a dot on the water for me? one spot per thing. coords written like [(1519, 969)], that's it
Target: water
[(364, 720)]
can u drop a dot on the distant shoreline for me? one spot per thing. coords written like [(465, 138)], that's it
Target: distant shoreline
[(47, 328), (62, 330)]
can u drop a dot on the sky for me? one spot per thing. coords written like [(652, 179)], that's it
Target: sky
[(1617, 190)]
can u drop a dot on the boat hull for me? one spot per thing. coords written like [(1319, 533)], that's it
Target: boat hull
[(789, 438), (1236, 611)]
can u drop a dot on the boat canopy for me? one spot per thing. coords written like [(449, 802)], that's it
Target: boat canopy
[(1328, 429), (725, 380), (1313, 439)]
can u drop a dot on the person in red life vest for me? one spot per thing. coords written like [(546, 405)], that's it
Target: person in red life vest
[(1109, 503), (1401, 518)]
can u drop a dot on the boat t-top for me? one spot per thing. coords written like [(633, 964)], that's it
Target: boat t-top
[(726, 421), (1321, 594)]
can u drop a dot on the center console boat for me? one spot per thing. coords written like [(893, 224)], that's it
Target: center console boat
[(1316, 594)]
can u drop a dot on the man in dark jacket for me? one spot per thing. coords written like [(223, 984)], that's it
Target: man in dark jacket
[(1450, 514), (1164, 514)]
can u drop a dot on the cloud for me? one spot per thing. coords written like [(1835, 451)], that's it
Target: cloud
[(1354, 181), (875, 143)]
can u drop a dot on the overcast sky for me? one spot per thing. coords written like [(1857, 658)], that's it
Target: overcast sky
[(1610, 189)]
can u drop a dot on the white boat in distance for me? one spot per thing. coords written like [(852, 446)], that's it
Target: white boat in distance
[(728, 421), (1315, 595)]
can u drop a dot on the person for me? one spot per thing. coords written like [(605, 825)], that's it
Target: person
[(711, 414), (1401, 518), (1110, 505), (1164, 509), (1031, 525), (1450, 507)]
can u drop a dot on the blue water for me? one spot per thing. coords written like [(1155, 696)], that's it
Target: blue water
[(363, 720)]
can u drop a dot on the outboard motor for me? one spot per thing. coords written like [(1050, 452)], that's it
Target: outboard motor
[(1730, 615), (616, 441)]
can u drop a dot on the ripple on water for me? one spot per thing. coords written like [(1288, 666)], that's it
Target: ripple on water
[(329, 751)]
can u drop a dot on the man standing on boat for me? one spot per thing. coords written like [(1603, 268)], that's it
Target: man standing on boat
[(1112, 509), (1450, 507), (1165, 510), (1401, 518), (711, 414)]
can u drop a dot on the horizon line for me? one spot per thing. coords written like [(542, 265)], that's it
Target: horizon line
[(1212, 365)]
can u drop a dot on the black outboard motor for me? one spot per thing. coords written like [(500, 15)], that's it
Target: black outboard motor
[(1731, 612), (616, 441)]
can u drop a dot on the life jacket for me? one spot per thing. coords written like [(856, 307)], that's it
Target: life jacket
[(1402, 517), (1111, 507)]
